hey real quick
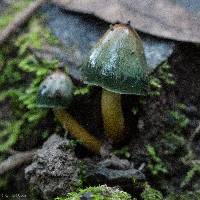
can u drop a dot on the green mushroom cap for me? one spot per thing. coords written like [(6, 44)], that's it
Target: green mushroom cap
[(117, 62), (55, 91)]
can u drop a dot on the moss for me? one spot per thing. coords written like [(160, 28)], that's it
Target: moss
[(184, 196), (160, 79), (194, 171), (165, 74), (21, 75), (171, 150), (98, 193), (151, 194), (82, 90), (155, 164), (173, 144), (179, 120)]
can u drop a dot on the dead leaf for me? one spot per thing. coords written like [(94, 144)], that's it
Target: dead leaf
[(161, 18)]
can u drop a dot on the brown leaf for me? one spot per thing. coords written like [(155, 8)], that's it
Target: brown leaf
[(157, 17)]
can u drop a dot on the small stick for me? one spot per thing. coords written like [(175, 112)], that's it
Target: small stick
[(16, 160), (196, 131), (20, 20), (189, 144)]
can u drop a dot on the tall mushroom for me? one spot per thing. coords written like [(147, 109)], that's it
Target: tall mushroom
[(117, 63), (56, 92)]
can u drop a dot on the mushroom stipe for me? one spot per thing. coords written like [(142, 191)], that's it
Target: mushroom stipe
[(77, 131), (112, 124)]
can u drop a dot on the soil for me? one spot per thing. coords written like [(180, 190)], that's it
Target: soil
[(155, 122)]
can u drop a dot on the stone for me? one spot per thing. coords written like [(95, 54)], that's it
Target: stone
[(113, 172), (54, 170)]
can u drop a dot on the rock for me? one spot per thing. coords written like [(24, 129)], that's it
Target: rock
[(156, 50), (113, 172), (79, 32), (54, 170)]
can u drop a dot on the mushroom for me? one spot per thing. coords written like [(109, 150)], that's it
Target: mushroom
[(56, 92), (117, 63)]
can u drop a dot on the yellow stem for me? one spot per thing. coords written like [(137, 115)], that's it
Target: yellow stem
[(77, 131), (112, 116)]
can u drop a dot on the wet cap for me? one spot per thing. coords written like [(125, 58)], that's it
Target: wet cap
[(117, 63)]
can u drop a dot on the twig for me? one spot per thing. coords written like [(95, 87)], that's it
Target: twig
[(142, 166), (20, 20), (191, 155), (196, 131), (16, 160)]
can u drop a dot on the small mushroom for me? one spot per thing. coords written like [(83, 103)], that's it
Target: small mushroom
[(117, 63), (56, 92)]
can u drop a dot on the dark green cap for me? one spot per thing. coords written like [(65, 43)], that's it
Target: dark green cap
[(55, 91), (117, 62)]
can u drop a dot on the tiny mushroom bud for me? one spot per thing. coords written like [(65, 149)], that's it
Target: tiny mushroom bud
[(56, 92), (117, 63)]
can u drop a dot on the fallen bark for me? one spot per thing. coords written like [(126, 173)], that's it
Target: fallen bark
[(16, 160), (20, 20)]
